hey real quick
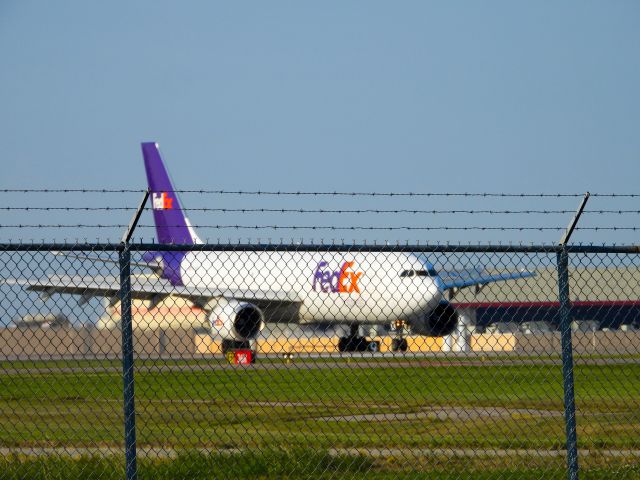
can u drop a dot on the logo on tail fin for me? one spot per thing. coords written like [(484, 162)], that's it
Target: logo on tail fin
[(162, 201)]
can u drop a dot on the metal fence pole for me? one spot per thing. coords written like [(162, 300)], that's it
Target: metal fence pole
[(567, 364), (131, 470), (567, 347)]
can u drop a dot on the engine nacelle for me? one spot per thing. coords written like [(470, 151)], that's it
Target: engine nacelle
[(235, 320), (442, 321)]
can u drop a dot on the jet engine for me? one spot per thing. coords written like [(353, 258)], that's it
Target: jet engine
[(235, 320), (441, 321)]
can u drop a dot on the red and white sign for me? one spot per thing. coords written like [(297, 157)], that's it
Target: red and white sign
[(242, 357)]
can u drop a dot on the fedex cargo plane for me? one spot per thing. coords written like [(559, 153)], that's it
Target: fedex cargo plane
[(241, 291)]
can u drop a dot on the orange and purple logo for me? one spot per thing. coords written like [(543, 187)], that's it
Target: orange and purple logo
[(162, 201), (343, 280)]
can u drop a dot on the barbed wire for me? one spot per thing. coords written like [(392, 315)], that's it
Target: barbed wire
[(306, 241), (331, 211), (326, 227), (25, 213), (72, 190), (324, 193)]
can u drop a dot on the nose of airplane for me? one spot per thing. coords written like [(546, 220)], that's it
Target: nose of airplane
[(432, 294)]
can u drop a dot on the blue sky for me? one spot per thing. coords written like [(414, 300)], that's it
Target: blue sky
[(357, 96)]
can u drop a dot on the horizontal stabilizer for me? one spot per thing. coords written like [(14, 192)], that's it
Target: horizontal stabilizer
[(154, 265)]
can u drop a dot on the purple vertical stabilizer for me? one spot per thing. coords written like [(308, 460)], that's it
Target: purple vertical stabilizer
[(171, 224)]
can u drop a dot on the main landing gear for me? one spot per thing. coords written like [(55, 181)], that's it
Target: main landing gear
[(355, 343)]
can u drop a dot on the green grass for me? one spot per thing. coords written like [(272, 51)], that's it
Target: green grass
[(246, 465), (294, 464), (233, 407)]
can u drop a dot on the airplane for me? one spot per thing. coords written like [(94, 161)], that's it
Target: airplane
[(241, 291)]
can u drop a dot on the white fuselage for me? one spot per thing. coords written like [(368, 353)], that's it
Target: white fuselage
[(331, 286)]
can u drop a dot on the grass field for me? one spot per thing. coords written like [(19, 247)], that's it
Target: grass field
[(296, 464), (317, 412)]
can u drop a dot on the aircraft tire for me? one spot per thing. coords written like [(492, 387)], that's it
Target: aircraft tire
[(399, 345)]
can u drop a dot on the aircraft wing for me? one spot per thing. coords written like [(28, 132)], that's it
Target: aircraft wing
[(468, 278), (146, 288)]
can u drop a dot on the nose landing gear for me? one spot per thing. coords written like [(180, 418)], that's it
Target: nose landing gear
[(399, 343)]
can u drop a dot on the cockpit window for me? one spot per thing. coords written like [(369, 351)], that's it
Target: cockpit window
[(419, 273)]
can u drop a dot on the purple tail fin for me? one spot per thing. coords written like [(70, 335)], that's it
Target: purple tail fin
[(171, 224)]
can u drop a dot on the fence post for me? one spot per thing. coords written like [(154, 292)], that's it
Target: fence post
[(567, 364), (567, 347), (131, 470)]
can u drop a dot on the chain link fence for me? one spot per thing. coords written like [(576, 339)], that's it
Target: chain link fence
[(319, 361)]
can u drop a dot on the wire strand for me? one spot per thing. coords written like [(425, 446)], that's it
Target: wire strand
[(328, 227), (331, 211), (322, 193)]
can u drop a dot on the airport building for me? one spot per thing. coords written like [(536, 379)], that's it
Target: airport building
[(601, 298)]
